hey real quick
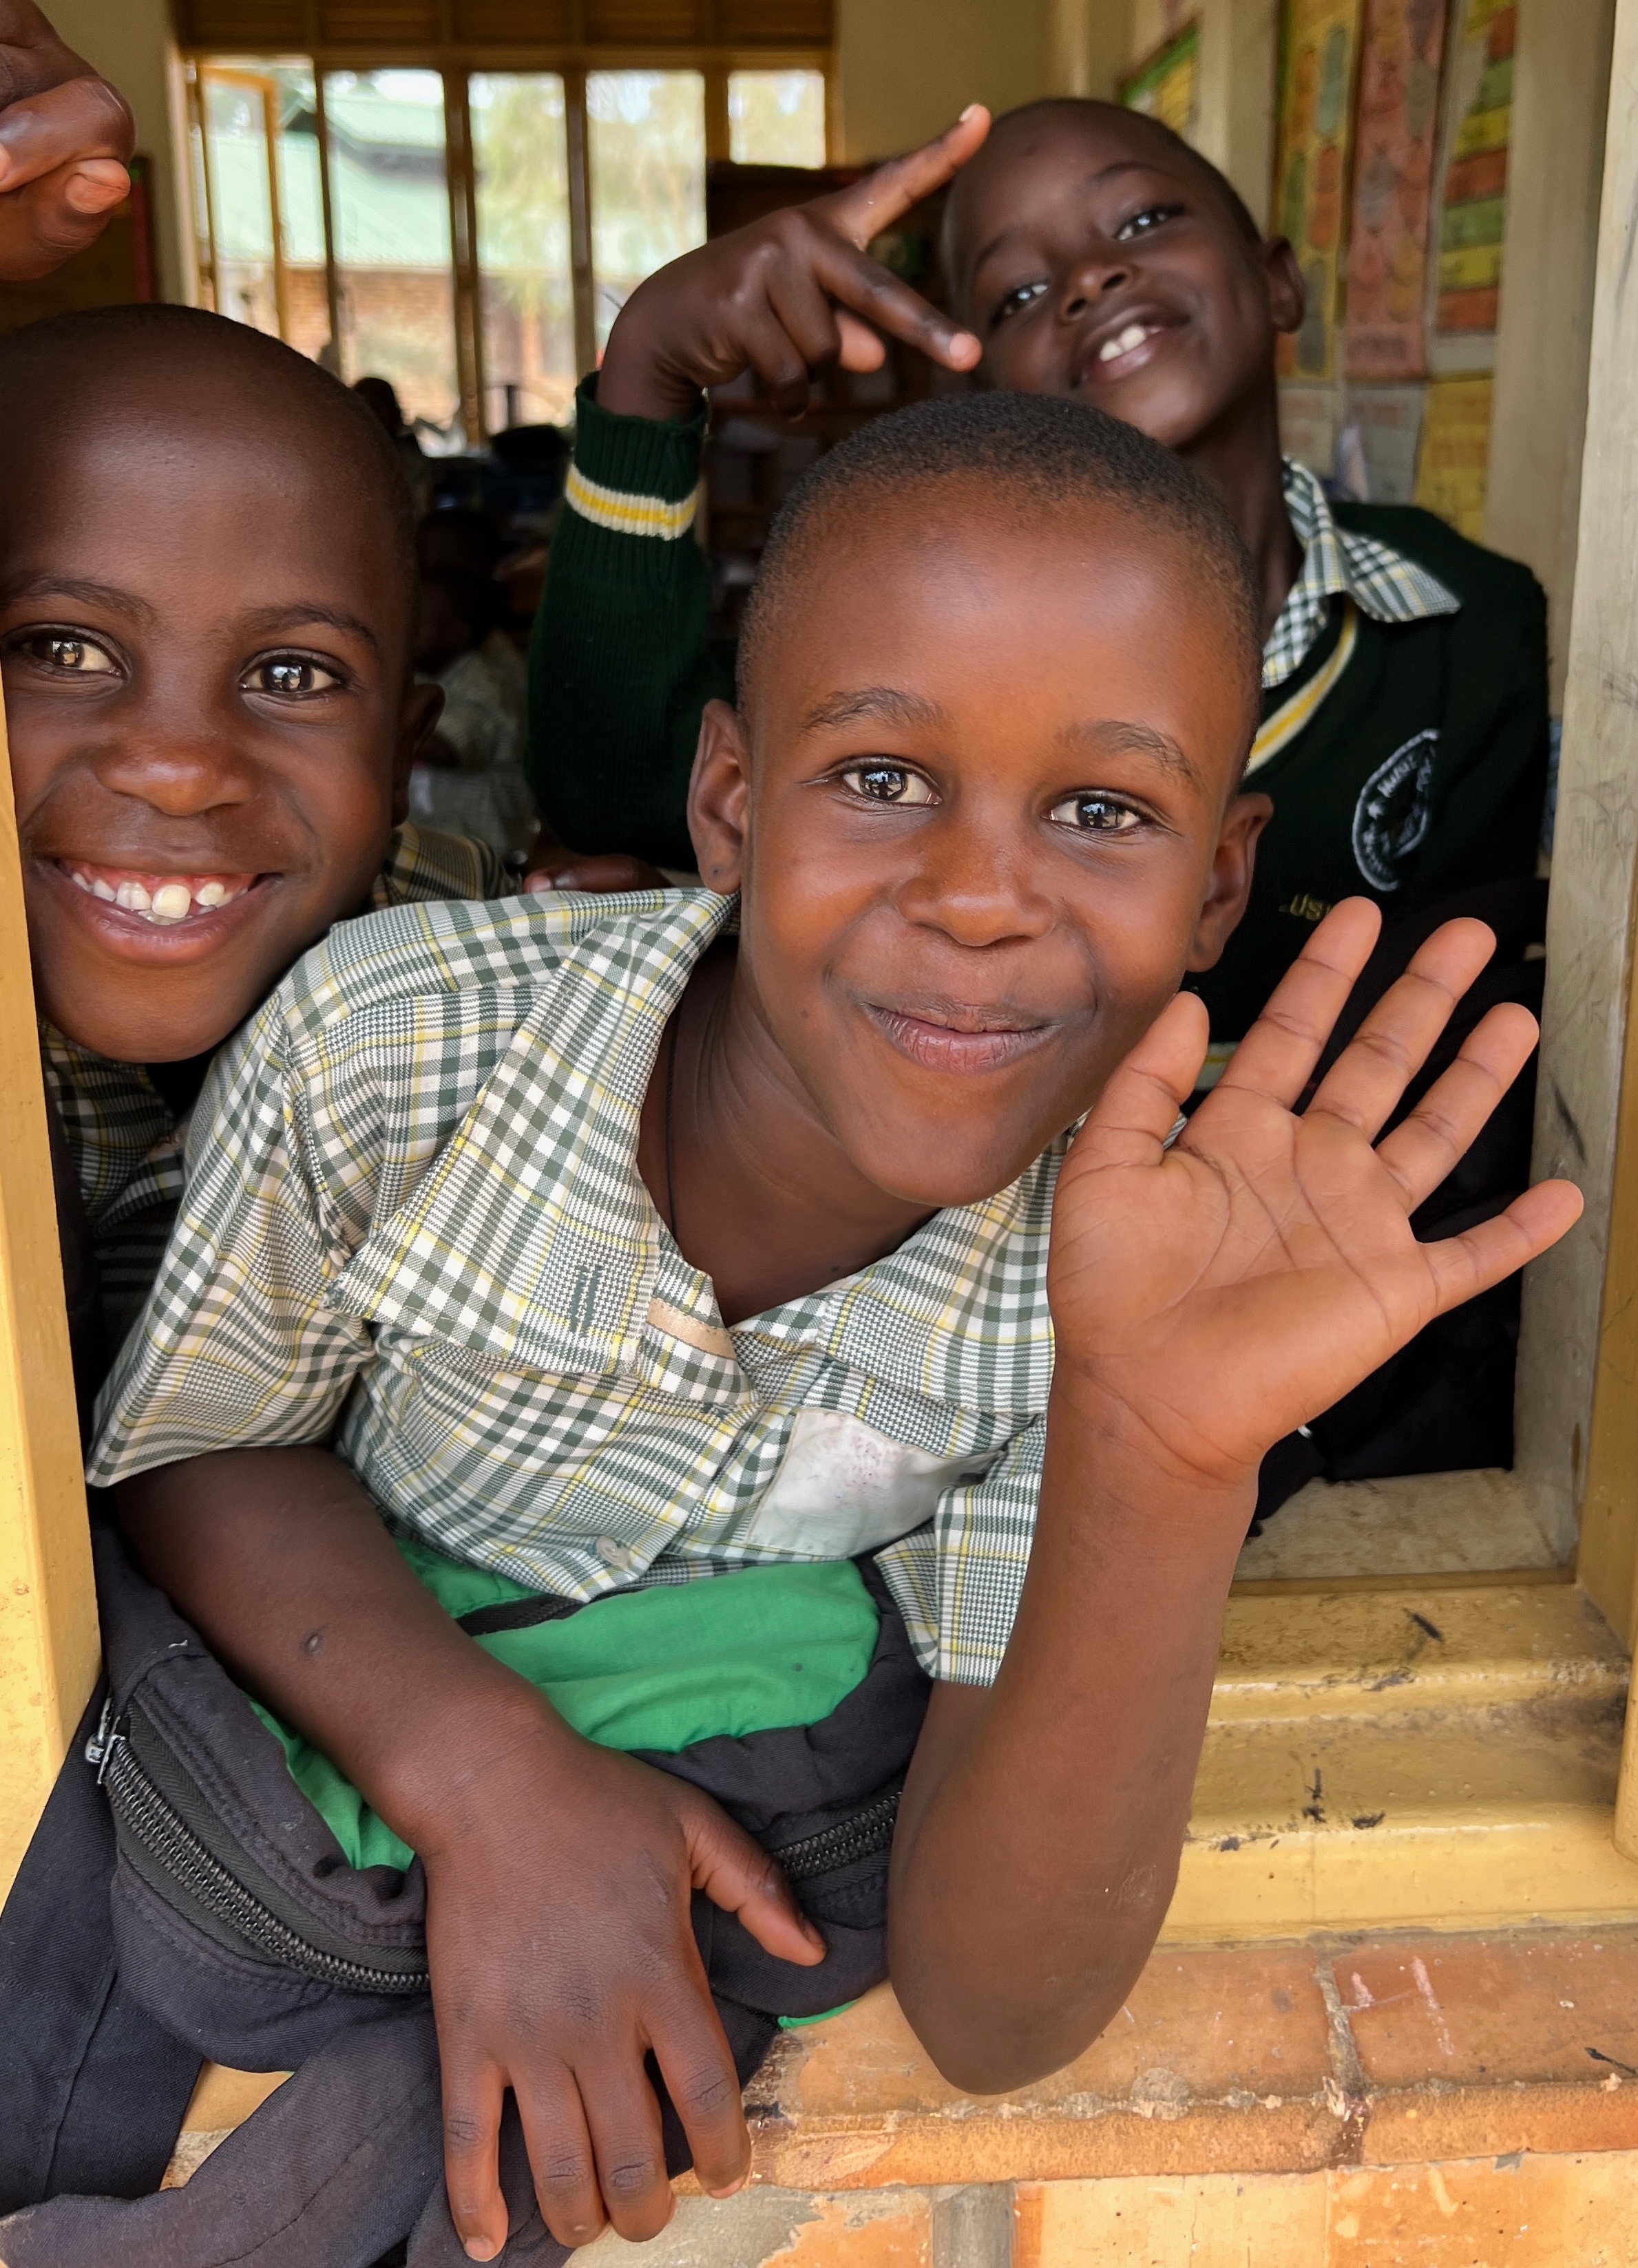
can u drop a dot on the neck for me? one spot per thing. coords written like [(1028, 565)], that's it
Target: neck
[(1240, 456), (760, 1195)]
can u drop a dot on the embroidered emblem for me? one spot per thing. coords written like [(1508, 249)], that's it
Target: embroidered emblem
[(1391, 816)]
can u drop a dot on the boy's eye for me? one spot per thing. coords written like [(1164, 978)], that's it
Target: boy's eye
[(73, 656), (1095, 814), (887, 784), (291, 676), (1017, 298), (1140, 224)]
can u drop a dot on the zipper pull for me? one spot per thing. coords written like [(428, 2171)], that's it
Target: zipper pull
[(99, 1747)]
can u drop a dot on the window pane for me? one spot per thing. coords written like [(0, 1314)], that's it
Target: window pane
[(389, 205), (236, 95), (646, 147), (520, 153), (235, 125), (776, 118)]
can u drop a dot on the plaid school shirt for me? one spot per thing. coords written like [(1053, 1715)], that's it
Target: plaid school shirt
[(1341, 563), (414, 1225), (124, 1140)]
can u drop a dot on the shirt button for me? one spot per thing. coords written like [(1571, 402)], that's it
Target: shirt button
[(613, 1554)]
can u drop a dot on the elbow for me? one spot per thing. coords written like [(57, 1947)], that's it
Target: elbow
[(987, 2049)]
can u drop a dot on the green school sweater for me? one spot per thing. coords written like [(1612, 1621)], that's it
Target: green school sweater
[(1421, 773)]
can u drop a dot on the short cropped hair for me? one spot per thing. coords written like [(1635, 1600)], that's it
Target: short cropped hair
[(98, 343), (1227, 195), (1033, 455)]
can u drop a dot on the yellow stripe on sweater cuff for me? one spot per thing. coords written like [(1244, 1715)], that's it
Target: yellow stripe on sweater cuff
[(628, 515)]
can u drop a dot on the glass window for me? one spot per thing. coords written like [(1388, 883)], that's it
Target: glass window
[(389, 205), (237, 167), (520, 158), (776, 118), (645, 133)]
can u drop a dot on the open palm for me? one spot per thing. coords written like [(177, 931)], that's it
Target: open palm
[(1228, 1289)]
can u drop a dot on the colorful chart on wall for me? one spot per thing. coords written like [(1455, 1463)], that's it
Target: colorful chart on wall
[(1473, 192), (1316, 123), (1168, 87), (1398, 125), (1455, 454)]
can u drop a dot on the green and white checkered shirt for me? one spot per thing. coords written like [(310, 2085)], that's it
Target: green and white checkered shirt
[(125, 1140), (413, 1216), (1382, 582)]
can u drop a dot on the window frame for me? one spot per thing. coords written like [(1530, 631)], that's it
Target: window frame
[(456, 65)]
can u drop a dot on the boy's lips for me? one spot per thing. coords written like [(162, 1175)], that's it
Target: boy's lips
[(1123, 345), (140, 898), (955, 1038)]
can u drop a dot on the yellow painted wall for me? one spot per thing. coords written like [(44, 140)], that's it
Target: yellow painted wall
[(907, 67), (131, 42)]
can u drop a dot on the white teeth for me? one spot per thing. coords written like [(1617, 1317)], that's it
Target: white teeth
[(103, 890), (1133, 335), (78, 879), (211, 894), (171, 902), (133, 897)]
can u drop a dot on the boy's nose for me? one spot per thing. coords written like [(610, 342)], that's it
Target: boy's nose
[(975, 892), (1100, 270), (180, 775)]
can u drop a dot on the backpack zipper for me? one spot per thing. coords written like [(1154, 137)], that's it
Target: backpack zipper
[(865, 1834), (173, 1845)]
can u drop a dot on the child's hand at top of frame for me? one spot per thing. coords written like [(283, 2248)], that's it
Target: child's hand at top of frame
[(788, 296), (65, 134), (1217, 1295)]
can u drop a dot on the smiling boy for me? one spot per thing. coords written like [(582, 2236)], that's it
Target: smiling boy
[(618, 1248), (1091, 255), (207, 589)]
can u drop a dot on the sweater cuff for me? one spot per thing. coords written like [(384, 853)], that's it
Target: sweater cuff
[(634, 475)]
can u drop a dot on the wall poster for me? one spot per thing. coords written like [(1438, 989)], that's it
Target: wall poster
[(1167, 85), (1316, 128), (1403, 48)]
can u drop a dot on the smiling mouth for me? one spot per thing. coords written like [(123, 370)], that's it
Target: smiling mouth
[(1126, 340), (955, 1039), (163, 900)]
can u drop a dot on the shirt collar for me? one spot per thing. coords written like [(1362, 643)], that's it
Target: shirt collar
[(1383, 582), (571, 1270)]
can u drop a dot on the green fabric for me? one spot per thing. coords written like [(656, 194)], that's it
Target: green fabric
[(622, 664), (658, 1669)]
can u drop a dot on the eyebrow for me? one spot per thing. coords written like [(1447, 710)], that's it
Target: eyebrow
[(1104, 173), (1120, 737), (874, 705), (269, 621), (44, 585)]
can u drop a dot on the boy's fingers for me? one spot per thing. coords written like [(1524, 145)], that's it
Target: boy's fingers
[(47, 222), (561, 2162), (806, 314), (82, 118), (861, 348), (1365, 1082), (1462, 1266), (857, 281), (886, 195), (1450, 1116), (1139, 1108), (770, 350), (705, 2089), (1277, 1055), (737, 1874), (623, 2115), (473, 2092)]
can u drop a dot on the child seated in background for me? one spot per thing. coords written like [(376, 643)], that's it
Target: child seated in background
[(1092, 255), (209, 737), (468, 777), (654, 1248)]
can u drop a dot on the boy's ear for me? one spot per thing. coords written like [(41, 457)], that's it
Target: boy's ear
[(718, 798), (417, 720), (1232, 864), (1288, 299)]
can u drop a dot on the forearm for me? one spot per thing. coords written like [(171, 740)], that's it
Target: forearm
[(281, 1561), (622, 662), (1039, 1834)]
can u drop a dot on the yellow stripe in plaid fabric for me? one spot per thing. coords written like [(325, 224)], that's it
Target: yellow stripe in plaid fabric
[(1280, 730), (629, 515)]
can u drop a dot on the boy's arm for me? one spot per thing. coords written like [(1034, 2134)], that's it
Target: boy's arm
[(1207, 1300), (64, 136), (622, 663)]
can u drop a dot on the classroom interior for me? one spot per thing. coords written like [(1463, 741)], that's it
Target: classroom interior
[(1420, 1723)]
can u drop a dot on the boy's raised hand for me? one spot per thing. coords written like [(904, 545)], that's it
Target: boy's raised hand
[(65, 134), (788, 296), (1223, 1293)]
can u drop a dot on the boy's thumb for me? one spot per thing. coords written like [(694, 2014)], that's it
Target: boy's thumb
[(736, 1874)]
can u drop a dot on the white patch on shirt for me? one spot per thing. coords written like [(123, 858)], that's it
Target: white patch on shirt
[(843, 1488)]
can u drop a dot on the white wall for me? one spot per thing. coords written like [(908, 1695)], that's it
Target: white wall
[(906, 69), (129, 41)]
